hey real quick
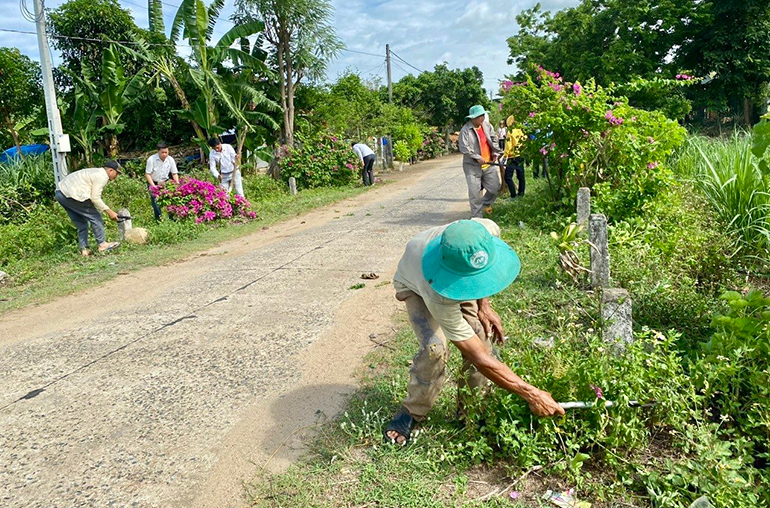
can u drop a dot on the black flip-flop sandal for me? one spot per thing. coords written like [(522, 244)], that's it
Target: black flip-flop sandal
[(403, 423)]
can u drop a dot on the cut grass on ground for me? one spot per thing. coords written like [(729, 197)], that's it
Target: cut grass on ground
[(49, 276)]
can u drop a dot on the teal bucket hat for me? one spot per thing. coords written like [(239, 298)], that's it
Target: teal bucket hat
[(476, 111), (467, 263)]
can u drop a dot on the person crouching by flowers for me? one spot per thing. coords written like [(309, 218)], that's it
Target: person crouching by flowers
[(160, 167), (366, 156), (229, 176)]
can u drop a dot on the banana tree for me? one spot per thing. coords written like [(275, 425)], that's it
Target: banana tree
[(84, 128), (112, 95), (209, 62)]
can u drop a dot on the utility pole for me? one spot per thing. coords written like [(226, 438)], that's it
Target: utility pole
[(390, 81), (60, 143)]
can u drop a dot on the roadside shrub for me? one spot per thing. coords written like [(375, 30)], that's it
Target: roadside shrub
[(411, 135), (24, 184), (401, 151), (432, 146), (592, 138), (734, 369), (319, 160), (45, 230), (201, 201)]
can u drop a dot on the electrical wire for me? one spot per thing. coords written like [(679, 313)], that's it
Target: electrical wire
[(101, 41), (375, 67), (402, 69), (363, 52), (30, 15), (407, 63)]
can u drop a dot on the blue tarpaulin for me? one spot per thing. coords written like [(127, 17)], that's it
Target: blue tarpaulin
[(25, 150)]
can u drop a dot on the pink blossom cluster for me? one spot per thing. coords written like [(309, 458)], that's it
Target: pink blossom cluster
[(684, 77), (506, 85), (614, 120), (554, 75), (202, 201), (556, 87), (577, 89)]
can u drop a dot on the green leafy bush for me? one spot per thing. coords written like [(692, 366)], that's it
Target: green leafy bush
[(411, 135), (401, 151), (734, 371), (319, 160), (593, 138)]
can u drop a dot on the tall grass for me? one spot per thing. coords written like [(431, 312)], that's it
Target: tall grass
[(24, 183), (728, 176)]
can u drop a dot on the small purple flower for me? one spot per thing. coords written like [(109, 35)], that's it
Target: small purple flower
[(598, 391), (563, 156), (652, 165), (609, 115), (532, 114), (544, 151), (514, 494)]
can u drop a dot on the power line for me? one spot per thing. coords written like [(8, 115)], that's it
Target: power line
[(375, 67), (362, 52), (402, 69), (89, 39), (407, 63)]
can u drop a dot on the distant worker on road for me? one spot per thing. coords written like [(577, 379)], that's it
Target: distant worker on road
[(160, 166), (80, 194), (479, 145), (446, 277), (366, 156), (229, 175)]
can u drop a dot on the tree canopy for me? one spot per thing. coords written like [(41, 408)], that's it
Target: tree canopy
[(20, 91), (615, 41)]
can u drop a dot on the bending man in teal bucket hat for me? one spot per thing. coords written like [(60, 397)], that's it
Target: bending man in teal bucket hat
[(446, 277), (479, 145)]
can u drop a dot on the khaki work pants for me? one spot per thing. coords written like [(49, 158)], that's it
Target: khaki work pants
[(428, 372)]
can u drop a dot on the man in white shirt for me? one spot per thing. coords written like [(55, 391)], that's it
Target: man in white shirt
[(80, 194), (224, 156), (366, 156), (159, 167), (446, 277)]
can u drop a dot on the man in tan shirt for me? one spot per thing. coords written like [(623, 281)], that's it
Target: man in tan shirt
[(80, 194), (446, 277)]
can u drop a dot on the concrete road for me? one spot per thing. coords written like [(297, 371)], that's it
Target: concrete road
[(171, 386)]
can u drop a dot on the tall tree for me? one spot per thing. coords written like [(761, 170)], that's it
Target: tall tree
[(444, 95), (20, 91), (79, 27), (301, 41), (210, 62)]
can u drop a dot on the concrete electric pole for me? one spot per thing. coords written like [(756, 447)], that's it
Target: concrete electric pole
[(60, 143), (390, 81)]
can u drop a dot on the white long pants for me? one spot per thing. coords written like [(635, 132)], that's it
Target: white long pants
[(236, 180)]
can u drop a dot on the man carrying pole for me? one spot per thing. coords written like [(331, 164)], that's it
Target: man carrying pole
[(224, 156), (446, 277)]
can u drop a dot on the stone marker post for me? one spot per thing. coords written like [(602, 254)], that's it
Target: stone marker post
[(583, 205), (600, 251), (124, 224), (292, 185), (616, 318)]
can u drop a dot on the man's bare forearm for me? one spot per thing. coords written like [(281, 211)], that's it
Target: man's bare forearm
[(500, 374)]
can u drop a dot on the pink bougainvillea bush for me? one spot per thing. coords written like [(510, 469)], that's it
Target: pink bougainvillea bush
[(201, 201), (592, 137)]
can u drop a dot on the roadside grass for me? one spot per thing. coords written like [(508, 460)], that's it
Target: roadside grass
[(674, 265), (447, 463), (42, 258)]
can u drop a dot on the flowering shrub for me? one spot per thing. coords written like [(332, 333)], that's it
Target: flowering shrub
[(432, 146), (201, 201), (592, 138), (319, 160)]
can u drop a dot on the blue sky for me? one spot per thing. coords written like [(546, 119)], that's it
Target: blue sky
[(422, 32)]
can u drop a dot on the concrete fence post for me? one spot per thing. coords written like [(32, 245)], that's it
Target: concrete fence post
[(617, 321), (583, 205), (292, 185), (600, 251), (124, 224)]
